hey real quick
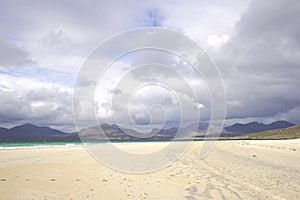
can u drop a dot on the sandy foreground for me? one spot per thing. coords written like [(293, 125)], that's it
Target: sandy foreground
[(233, 170)]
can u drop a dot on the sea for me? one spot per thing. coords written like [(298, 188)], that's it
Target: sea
[(36, 145)]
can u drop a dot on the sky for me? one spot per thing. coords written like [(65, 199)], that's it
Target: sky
[(254, 44)]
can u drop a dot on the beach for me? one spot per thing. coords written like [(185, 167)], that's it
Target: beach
[(244, 169)]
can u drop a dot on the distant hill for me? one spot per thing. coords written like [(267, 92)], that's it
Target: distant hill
[(285, 133), (116, 133), (234, 130), (254, 127), (185, 130), (30, 132), (3, 130)]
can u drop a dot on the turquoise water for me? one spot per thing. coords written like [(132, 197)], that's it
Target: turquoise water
[(16, 145), (33, 145), (12, 145)]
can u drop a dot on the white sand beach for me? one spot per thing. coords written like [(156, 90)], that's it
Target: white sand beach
[(233, 170)]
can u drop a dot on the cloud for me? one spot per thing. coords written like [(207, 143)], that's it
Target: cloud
[(140, 83), (260, 63), (29, 100), (12, 55), (256, 47), (217, 41)]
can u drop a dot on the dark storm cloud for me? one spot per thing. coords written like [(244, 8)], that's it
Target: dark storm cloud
[(261, 63)]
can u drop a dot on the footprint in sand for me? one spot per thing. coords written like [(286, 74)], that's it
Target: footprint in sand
[(3, 179), (191, 189), (189, 197)]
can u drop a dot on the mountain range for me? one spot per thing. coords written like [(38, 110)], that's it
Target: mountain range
[(29, 132), (254, 127)]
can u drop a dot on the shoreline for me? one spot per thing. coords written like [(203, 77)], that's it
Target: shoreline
[(45, 145)]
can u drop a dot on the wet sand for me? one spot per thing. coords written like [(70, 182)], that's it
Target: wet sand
[(233, 170)]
